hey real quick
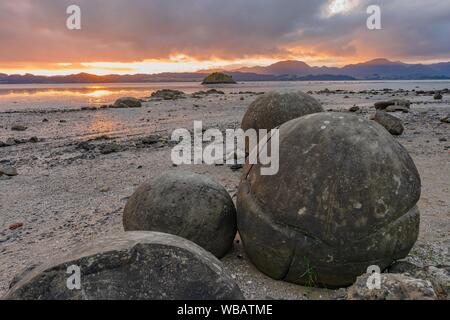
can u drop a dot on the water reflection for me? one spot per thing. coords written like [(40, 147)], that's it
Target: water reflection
[(35, 92), (99, 93)]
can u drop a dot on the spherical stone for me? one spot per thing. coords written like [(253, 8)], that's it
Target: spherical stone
[(185, 204), (273, 109), (344, 199), (132, 266)]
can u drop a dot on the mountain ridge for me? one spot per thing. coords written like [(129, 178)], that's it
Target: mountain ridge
[(289, 70)]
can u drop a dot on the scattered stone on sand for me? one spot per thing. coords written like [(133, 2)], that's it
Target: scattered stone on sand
[(151, 139), (15, 226), (18, 127), (301, 231), (393, 287), (392, 124), (273, 109), (397, 108), (168, 94), (89, 108), (236, 167), (105, 189), (132, 266), (127, 102), (200, 94), (381, 105), (439, 276), (446, 119), (354, 109), (109, 148), (8, 170), (188, 205), (218, 78), (10, 142), (85, 145), (437, 96)]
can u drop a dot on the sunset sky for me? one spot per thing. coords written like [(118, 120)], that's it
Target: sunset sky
[(152, 36)]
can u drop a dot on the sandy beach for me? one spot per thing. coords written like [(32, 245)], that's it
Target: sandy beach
[(78, 166)]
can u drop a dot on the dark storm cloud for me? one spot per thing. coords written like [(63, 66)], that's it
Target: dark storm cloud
[(133, 30)]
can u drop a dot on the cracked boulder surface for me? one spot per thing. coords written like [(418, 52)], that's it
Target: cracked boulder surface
[(132, 266), (344, 199)]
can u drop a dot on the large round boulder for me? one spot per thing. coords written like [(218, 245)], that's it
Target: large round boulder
[(185, 204), (273, 109), (344, 199), (130, 266)]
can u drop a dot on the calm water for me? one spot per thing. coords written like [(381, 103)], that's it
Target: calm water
[(36, 96)]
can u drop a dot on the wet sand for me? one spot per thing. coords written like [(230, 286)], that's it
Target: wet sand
[(68, 193)]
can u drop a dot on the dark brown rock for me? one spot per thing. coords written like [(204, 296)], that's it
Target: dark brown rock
[(273, 109), (132, 266), (392, 124), (186, 204), (344, 198)]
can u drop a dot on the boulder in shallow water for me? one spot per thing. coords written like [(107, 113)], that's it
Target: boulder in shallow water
[(127, 102), (344, 198), (219, 78), (168, 94), (185, 204), (132, 266)]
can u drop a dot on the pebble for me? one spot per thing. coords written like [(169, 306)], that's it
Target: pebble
[(18, 127), (8, 170), (15, 226)]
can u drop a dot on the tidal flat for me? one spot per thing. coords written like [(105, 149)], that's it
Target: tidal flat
[(78, 164)]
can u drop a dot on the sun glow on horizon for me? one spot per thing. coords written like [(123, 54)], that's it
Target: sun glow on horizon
[(145, 67)]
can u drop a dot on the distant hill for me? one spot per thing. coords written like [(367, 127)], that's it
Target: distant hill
[(374, 69), (377, 69)]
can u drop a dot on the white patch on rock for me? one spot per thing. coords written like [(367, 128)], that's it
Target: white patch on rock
[(399, 183), (302, 211), (357, 205)]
